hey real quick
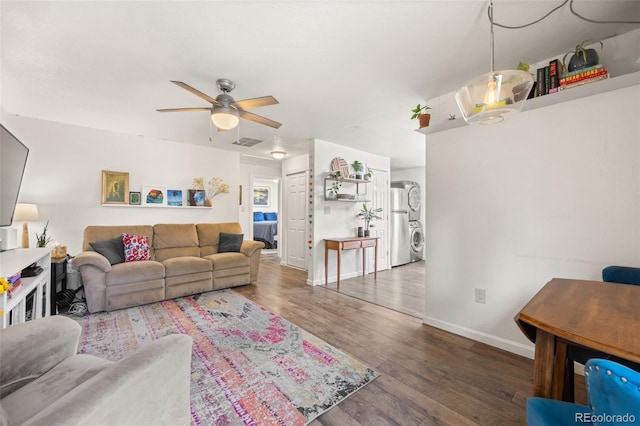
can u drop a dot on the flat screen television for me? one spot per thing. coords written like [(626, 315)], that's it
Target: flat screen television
[(13, 159)]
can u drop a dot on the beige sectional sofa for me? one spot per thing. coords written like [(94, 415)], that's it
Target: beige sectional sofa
[(184, 260)]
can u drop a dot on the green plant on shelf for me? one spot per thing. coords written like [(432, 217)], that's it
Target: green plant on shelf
[(42, 240)]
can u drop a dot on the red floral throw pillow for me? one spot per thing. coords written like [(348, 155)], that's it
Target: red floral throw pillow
[(136, 247)]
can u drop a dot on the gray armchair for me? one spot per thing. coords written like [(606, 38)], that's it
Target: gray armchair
[(43, 381)]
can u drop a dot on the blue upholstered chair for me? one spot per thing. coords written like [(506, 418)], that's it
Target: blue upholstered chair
[(614, 399)]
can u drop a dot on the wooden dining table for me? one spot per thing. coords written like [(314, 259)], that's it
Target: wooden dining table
[(604, 317)]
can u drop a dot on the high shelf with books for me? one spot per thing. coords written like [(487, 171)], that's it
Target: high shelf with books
[(613, 83), (30, 300)]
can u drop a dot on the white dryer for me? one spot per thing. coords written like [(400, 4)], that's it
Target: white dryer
[(416, 238), (411, 196)]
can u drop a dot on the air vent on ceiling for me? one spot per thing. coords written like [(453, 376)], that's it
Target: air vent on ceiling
[(248, 142)]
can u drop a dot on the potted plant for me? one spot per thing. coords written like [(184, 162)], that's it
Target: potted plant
[(420, 113), (42, 240), (582, 58), (335, 188), (368, 175), (369, 214), (358, 168)]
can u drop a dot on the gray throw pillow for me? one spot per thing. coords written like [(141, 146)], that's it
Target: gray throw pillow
[(230, 242), (112, 249)]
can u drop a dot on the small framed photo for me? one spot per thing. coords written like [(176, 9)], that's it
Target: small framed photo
[(154, 195), (174, 197), (261, 196), (195, 197), (115, 187), (134, 198)]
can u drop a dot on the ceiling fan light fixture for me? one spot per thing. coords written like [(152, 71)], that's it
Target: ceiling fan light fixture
[(278, 155), (224, 118)]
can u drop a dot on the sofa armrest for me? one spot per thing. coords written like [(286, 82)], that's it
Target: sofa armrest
[(148, 387), (249, 247), (91, 258), (32, 348)]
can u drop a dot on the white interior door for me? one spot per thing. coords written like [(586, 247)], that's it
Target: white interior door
[(379, 197), (296, 214)]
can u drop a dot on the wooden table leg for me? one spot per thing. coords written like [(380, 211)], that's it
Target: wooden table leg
[(364, 262), (326, 263), (375, 262), (560, 388), (339, 260), (543, 364)]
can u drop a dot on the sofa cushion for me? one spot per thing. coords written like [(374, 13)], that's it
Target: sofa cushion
[(186, 265), (175, 240), (136, 248), (258, 216), (112, 249), (37, 395), (99, 233), (209, 235), (134, 272), (228, 260), (230, 242)]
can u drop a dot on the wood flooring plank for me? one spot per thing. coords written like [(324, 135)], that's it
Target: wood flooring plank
[(428, 376)]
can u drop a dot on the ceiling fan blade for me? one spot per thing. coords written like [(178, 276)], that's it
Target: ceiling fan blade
[(259, 119), (197, 92), (256, 102), (183, 109)]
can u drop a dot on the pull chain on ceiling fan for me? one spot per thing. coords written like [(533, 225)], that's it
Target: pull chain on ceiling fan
[(226, 112)]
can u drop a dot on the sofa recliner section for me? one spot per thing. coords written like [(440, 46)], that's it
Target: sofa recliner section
[(184, 261)]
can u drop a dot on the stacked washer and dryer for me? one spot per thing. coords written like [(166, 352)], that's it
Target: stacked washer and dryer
[(407, 236)]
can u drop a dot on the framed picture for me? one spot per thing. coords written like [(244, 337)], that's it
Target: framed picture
[(261, 196), (154, 195), (134, 198), (195, 197), (174, 197), (115, 187), (239, 195)]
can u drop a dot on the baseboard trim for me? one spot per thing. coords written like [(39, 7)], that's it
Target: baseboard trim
[(333, 279), (498, 342)]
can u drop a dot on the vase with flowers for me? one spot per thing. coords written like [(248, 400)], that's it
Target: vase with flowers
[(214, 187)]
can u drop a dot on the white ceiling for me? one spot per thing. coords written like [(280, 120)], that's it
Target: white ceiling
[(348, 72)]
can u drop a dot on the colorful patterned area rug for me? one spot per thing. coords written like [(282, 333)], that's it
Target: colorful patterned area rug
[(249, 366)]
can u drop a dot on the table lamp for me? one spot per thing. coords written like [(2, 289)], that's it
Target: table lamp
[(25, 213)]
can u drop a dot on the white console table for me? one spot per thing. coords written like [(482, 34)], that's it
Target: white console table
[(14, 308)]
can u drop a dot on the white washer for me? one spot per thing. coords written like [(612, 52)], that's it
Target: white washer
[(416, 238)]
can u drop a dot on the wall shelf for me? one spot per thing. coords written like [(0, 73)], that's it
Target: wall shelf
[(602, 86), (357, 183)]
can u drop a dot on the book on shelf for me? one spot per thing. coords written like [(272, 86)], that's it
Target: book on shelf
[(594, 79), (583, 74), (555, 68), (581, 71), (15, 285), (541, 88)]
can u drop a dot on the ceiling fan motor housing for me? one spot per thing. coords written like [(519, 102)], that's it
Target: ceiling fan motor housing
[(225, 85)]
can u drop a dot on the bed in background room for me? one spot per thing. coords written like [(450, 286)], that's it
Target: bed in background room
[(265, 228)]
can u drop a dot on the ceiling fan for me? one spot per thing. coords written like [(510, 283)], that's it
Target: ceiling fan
[(226, 111)]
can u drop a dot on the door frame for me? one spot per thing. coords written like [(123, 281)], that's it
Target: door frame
[(253, 177)]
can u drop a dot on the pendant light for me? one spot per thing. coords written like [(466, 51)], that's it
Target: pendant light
[(487, 99)]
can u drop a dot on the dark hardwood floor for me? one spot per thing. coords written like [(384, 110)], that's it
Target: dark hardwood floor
[(428, 376)]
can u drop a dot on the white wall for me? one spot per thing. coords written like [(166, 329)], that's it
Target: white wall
[(63, 177), (552, 192), (341, 220)]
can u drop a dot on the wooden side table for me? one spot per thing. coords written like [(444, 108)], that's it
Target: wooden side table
[(58, 276), (349, 243)]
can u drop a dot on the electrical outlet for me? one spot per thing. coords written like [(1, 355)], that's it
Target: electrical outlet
[(481, 296)]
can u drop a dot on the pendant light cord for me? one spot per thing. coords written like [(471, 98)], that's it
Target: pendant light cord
[(491, 43), (516, 27)]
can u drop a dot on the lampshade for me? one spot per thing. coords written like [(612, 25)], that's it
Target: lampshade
[(26, 213), (278, 155), (487, 99), (225, 118)]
